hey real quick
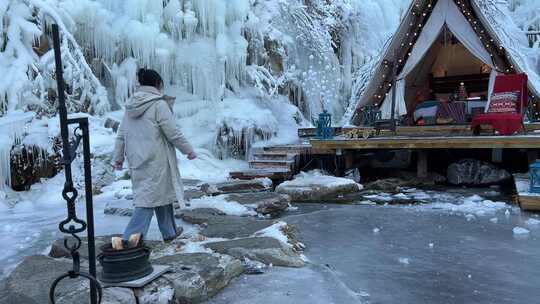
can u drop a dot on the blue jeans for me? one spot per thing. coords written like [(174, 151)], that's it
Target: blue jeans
[(141, 218)]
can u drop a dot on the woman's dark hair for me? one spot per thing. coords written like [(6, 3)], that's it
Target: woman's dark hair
[(149, 77)]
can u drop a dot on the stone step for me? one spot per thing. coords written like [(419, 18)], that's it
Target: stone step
[(262, 164), (273, 156), (273, 173), (300, 148)]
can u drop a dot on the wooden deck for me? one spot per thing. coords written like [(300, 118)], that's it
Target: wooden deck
[(431, 142), (437, 130)]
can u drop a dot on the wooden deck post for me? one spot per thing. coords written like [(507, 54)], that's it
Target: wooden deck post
[(421, 164), (532, 156), (496, 155)]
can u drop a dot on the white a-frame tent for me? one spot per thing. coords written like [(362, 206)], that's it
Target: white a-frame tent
[(414, 41)]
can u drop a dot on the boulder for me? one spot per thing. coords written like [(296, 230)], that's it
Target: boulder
[(195, 277), (238, 186), (314, 187), (265, 203), (231, 227), (405, 180), (198, 216), (111, 295), (471, 172), (29, 283), (267, 250)]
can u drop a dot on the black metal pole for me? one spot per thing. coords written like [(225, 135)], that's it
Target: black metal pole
[(72, 224), (62, 110), (89, 209)]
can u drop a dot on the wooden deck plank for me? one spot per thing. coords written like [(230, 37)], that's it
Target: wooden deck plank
[(432, 142), (416, 130)]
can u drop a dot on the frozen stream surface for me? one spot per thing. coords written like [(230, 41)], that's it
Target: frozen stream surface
[(402, 254), (460, 248)]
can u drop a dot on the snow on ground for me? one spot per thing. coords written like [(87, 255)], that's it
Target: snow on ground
[(520, 231), (276, 231), (317, 177), (219, 202)]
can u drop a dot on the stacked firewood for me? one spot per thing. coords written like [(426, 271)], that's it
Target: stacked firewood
[(133, 241)]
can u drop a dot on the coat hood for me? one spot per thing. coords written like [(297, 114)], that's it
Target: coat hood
[(144, 98)]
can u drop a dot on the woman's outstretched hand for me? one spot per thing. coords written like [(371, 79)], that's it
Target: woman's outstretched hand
[(191, 156), (118, 166)]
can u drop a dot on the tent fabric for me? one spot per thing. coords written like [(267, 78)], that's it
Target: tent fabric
[(445, 13), (492, 78)]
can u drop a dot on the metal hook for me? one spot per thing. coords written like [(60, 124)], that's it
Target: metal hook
[(71, 274)]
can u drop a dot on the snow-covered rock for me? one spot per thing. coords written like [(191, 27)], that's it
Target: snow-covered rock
[(520, 231), (473, 172), (532, 222), (265, 203), (195, 277), (315, 186)]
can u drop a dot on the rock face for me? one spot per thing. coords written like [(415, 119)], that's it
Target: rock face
[(265, 203), (314, 187), (29, 164), (473, 172), (231, 227), (263, 249), (195, 277)]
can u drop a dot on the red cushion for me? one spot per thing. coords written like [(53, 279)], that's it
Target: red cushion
[(504, 102), (504, 123)]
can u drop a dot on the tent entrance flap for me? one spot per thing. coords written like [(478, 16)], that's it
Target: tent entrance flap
[(445, 15)]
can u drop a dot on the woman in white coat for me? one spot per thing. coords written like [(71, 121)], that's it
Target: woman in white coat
[(148, 138)]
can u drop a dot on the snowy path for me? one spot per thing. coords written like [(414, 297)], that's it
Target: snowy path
[(417, 255)]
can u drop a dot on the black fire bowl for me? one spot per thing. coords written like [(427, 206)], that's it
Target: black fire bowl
[(124, 265)]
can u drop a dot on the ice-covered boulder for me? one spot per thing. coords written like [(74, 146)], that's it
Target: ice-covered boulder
[(473, 172), (267, 250), (315, 186), (231, 227), (195, 277)]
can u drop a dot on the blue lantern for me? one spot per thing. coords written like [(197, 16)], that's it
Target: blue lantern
[(324, 126), (534, 177)]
